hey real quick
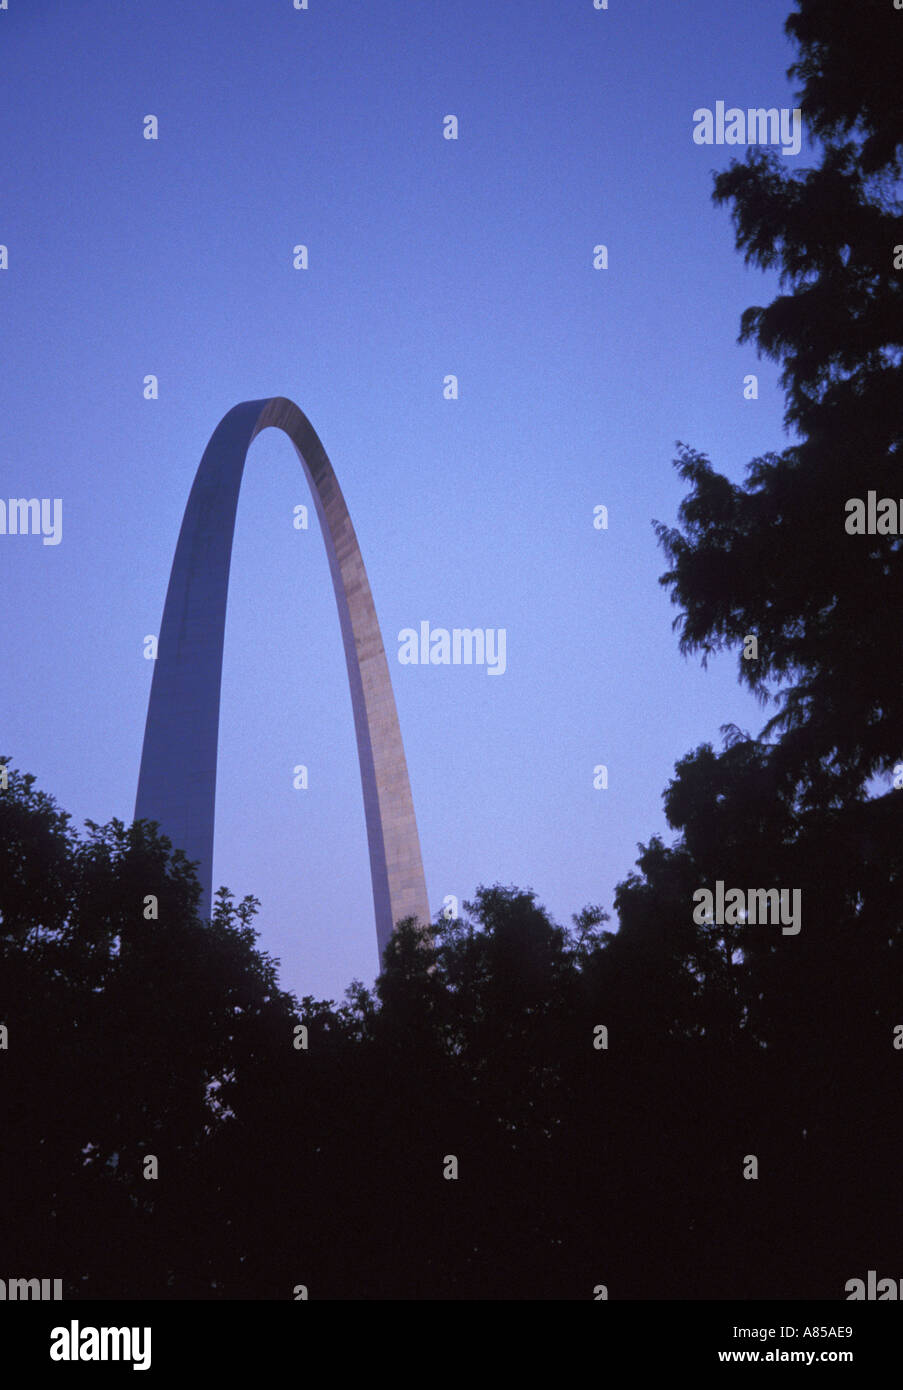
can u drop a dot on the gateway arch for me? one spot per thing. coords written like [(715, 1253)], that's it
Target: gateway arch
[(177, 781)]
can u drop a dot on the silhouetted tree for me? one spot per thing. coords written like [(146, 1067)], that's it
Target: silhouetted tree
[(771, 557), (130, 1025)]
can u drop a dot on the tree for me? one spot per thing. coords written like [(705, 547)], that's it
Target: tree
[(771, 557), (132, 1027)]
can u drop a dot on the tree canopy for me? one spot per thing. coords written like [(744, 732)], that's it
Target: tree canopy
[(771, 557)]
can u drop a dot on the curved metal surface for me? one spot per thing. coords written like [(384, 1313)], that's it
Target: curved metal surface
[(177, 781)]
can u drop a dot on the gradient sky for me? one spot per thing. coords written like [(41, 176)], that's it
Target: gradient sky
[(427, 257)]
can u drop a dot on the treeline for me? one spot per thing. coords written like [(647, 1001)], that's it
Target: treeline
[(171, 1132)]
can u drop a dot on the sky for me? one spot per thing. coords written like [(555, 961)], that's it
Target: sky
[(427, 257)]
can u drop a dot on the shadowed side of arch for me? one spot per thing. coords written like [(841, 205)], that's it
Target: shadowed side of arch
[(177, 781)]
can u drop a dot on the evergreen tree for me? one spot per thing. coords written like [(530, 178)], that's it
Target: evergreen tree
[(772, 557)]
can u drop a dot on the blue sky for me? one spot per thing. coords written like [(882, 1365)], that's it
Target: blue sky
[(173, 257)]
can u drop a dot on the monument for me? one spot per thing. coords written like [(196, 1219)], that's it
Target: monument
[(177, 781)]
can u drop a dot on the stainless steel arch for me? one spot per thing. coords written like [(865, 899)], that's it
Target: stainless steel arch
[(177, 781)]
